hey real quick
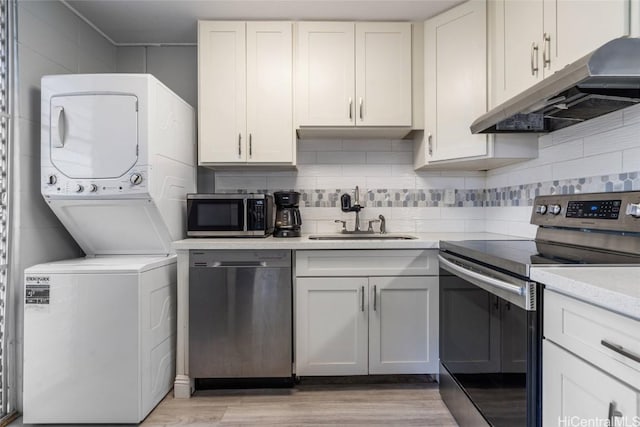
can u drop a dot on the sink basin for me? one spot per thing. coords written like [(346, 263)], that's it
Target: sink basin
[(361, 237)]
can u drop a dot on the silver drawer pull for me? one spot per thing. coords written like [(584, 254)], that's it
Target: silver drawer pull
[(621, 350), (362, 303), (613, 414)]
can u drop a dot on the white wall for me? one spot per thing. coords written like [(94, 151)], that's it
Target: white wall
[(51, 40)]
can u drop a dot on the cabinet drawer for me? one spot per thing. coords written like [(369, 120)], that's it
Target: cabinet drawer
[(574, 389), (366, 263), (583, 328)]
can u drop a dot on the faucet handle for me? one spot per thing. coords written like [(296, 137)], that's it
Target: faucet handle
[(371, 221), (383, 224), (344, 224)]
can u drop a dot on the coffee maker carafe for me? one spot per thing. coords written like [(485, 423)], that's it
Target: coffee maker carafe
[(288, 219)]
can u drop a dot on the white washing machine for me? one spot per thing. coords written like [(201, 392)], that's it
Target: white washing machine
[(99, 338), (118, 158)]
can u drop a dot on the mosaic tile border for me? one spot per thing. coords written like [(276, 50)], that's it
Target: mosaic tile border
[(517, 195)]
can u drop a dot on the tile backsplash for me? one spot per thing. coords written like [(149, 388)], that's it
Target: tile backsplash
[(600, 155)]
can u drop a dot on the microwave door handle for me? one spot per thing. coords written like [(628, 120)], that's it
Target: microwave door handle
[(489, 281), (245, 217)]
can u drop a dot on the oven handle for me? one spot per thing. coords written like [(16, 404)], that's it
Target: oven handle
[(465, 273)]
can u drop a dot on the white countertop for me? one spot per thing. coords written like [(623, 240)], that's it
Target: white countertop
[(614, 288), (423, 241)]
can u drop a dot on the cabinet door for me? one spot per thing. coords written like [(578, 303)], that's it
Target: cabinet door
[(221, 92), (269, 92), (517, 46), (383, 74), (403, 325), (455, 82), (325, 74), (331, 326), (574, 388), (469, 327), (575, 28)]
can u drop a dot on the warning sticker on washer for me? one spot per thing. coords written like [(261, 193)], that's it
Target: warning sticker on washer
[(36, 290)]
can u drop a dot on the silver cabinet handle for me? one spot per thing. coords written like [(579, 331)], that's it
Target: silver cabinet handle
[(375, 297), (350, 108), (613, 414), (360, 108), (621, 350), (534, 59), (546, 50), (362, 303), (250, 147), (430, 141), (239, 147)]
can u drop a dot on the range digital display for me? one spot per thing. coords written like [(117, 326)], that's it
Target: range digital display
[(596, 209)]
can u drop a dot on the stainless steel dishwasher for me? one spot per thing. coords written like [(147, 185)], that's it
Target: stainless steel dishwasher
[(240, 317)]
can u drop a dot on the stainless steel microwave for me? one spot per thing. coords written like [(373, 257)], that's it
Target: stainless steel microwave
[(229, 215)]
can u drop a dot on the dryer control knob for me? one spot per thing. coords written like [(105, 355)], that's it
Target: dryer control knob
[(136, 178), (554, 209), (93, 188), (78, 188), (52, 179)]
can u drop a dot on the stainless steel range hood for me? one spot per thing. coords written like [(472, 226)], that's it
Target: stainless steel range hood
[(603, 81)]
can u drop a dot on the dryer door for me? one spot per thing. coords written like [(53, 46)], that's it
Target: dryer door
[(94, 136)]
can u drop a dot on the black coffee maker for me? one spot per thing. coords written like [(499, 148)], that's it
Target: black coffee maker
[(288, 219)]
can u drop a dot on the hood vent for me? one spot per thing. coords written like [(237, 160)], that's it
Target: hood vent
[(606, 80)]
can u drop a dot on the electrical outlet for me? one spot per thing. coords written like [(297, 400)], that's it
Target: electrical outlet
[(449, 196)]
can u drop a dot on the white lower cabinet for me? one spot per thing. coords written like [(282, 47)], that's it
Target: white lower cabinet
[(331, 326), (355, 325), (590, 368), (403, 325), (576, 390)]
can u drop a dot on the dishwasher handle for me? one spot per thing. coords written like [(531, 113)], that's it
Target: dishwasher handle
[(239, 264)]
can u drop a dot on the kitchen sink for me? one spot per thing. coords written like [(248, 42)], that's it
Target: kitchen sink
[(361, 237)]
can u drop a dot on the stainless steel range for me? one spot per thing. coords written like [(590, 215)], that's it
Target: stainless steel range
[(491, 313)]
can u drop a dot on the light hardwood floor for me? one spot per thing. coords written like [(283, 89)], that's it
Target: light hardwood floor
[(417, 404), (312, 403)]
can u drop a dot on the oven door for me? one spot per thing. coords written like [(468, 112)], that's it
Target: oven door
[(489, 345)]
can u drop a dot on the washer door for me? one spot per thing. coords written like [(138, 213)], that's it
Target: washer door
[(94, 136)]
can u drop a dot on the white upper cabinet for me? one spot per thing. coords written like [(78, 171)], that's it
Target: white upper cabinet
[(325, 74), (455, 82), (245, 99), (532, 39), (455, 67), (353, 74), (383, 74)]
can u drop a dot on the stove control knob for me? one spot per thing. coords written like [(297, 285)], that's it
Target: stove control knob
[(633, 209), (78, 188), (93, 188), (135, 178), (541, 209), (554, 209), (52, 179)]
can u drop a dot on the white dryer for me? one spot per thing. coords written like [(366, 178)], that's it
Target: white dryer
[(118, 158)]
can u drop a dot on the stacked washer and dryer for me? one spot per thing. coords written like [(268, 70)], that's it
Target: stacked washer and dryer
[(118, 158)]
